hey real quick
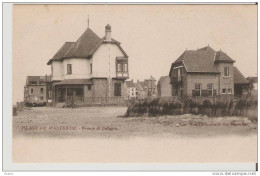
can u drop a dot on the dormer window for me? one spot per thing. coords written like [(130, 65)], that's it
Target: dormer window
[(69, 69), (226, 71)]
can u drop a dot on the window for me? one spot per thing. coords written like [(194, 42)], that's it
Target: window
[(89, 87), (210, 89), (125, 68), (229, 91), (197, 91), (41, 90), (90, 68), (224, 91), (119, 67), (31, 90), (69, 69), (117, 89), (179, 74), (226, 71), (41, 98)]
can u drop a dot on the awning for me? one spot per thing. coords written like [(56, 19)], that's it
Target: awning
[(74, 82)]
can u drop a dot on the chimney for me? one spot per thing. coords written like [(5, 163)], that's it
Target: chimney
[(108, 33)]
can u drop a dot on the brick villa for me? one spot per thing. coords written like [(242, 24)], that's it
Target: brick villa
[(90, 70), (205, 72)]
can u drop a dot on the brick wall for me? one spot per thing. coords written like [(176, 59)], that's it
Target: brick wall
[(203, 79), (35, 96), (88, 93), (226, 82)]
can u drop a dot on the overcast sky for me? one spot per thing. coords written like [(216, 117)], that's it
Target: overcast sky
[(153, 36)]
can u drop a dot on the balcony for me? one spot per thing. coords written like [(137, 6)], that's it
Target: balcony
[(122, 75)]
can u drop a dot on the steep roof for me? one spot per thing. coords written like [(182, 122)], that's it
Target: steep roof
[(238, 77), (202, 60), (62, 51), (223, 57), (84, 47)]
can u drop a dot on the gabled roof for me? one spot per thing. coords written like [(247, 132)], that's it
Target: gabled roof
[(84, 47), (223, 57), (238, 77)]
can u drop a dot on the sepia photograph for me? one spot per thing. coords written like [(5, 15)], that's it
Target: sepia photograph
[(134, 83)]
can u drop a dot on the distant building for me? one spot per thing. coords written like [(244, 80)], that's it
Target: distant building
[(35, 89), (151, 87), (203, 72), (253, 85), (164, 88), (142, 90), (131, 89)]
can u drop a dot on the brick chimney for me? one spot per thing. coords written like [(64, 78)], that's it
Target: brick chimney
[(108, 33)]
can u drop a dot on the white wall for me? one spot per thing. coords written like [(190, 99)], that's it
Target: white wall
[(81, 66), (57, 70), (106, 53)]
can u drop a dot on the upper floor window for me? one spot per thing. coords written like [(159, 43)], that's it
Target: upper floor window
[(119, 67), (226, 71), (90, 68), (41, 90), (229, 91), (31, 90), (179, 74), (69, 69), (125, 68), (89, 87), (224, 91)]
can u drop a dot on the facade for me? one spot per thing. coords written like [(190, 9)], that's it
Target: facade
[(164, 88), (142, 89), (90, 70), (202, 72), (151, 87), (35, 89), (131, 89), (253, 85)]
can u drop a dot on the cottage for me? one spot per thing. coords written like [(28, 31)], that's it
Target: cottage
[(90, 70), (35, 89), (202, 72), (164, 88)]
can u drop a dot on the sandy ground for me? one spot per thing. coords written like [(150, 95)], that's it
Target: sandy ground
[(99, 134)]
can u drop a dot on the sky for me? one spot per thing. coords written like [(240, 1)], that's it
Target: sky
[(153, 36)]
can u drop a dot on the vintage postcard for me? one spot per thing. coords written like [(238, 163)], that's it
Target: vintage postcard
[(134, 83)]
